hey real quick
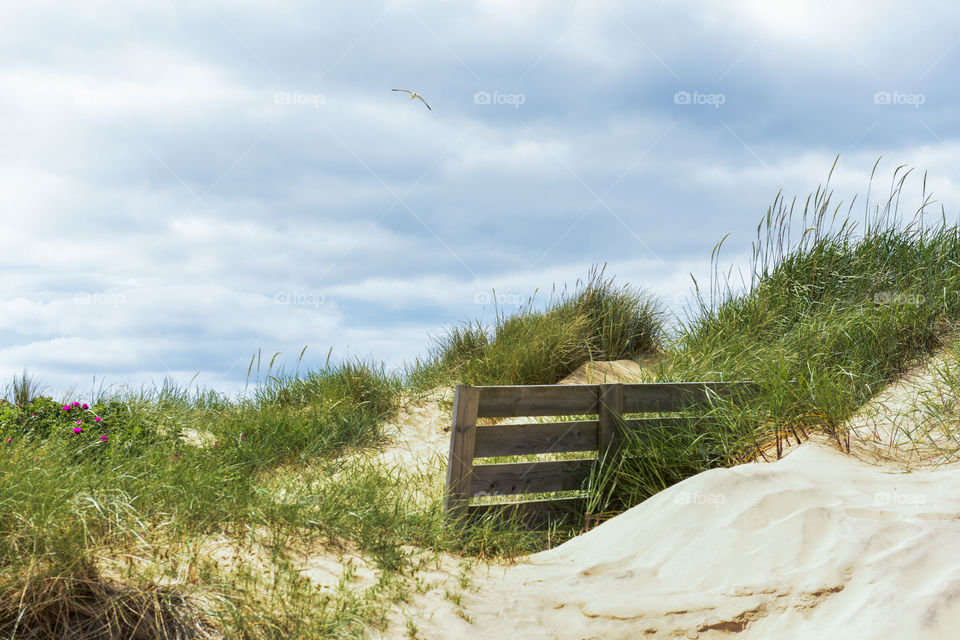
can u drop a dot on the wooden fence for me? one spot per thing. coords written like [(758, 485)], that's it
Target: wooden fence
[(609, 402)]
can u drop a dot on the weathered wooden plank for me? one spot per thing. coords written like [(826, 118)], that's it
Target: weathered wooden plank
[(536, 514), (537, 437), (462, 441), (677, 396), (556, 400), (537, 400), (610, 407), (529, 477)]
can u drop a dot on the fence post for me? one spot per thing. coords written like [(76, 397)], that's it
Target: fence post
[(462, 438), (610, 408)]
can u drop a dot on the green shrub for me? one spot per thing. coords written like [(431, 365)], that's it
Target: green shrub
[(598, 321), (108, 428)]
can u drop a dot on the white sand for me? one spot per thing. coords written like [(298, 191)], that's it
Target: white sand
[(420, 432), (603, 371), (817, 545), (820, 544), (905, 422)]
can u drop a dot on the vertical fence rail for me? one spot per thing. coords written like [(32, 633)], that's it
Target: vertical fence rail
[(610, 408), (462, 440)]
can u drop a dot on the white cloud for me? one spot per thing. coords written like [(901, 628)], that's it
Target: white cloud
[(149, 168)]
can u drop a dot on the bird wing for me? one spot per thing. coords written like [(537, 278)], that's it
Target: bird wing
[(404, 90), (423, 101)]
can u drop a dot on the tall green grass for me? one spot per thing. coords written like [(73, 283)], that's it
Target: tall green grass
[(93, 532), (24, 389), (842, 308), (597, 321)]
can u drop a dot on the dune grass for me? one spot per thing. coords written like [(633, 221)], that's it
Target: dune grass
[(599, 320), (112, 532), (843, 308), (94, 530)]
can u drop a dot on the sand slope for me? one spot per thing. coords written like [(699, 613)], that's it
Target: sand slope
[(820, 544), (817, 545), (603, 371), (913, 420)]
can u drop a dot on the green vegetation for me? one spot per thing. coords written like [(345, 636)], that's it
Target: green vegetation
[(598, 321), (843, 309), (94, 530), (163, 513)]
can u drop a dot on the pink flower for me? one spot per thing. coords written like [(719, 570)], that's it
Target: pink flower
[(103, 438), (78, 429), (75, 404), (77, 421), (66, 407), (97, 419), (84, 406), (9, 440)]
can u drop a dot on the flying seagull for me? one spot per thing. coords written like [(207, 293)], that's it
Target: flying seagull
[(413, 95)]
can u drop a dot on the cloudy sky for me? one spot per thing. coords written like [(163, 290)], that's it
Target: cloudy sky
[(186, 182)]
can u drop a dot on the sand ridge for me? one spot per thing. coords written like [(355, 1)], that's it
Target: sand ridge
[(817, 544)]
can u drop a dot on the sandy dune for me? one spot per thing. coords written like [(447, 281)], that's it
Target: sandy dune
[(420, 432), (600, 372), (904, 424), (817, 545), (820, 544)]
